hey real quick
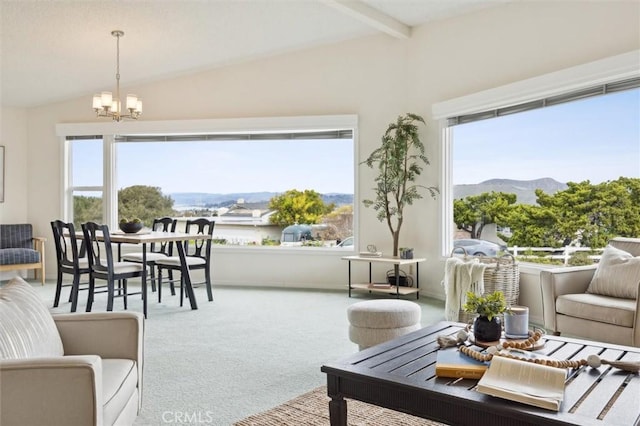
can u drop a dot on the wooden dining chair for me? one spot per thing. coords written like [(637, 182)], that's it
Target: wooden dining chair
[(103, 267), (197, 256), (69, 262), (156, 250)]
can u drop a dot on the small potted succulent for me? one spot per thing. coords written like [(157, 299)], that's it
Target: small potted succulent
[(487, 327), (406, 252)]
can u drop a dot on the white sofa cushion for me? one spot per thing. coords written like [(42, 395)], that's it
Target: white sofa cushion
[(27, 329), (119, 383), (594, 307), (617, 275)]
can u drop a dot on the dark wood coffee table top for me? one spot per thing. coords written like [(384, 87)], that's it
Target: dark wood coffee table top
[(400, 375)]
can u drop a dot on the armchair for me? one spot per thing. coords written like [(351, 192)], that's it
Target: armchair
[(609, 310), (19, 249), (67, 369)]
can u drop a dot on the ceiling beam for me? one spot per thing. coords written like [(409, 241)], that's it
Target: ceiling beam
[(371, 17)]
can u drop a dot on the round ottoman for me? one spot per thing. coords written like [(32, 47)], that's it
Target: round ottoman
[(376, 321)]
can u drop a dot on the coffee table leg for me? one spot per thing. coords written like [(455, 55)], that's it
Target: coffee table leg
[(338, 411)]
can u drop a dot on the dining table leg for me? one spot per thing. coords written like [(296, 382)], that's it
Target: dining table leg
[(186, 277), (144, 279)]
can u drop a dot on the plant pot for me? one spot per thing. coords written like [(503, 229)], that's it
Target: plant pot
[(406, 253), (487, 331)]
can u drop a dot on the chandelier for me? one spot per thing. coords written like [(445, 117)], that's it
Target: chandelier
[(105, 105)]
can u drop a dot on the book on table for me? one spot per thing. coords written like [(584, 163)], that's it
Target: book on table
[(379, 285), (370, 254), (526, 382), (450, 362)]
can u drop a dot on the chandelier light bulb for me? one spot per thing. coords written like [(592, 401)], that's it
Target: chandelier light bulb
[(132, 101), (107, 99)]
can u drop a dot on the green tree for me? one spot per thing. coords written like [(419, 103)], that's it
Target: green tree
[(303, 207), (532, 226), (86, 209), (144, 202), (473, 213), (593, 214)]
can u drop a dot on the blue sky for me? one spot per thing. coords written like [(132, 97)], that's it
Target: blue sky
[(224, 167), (595, 139)]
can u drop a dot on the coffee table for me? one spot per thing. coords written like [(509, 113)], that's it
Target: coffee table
[(400, 375)]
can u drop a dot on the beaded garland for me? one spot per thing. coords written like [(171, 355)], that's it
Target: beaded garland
[(494, 350), (592, 360)]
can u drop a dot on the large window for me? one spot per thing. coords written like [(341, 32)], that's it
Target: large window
[(573, 136), (85, 179), (230, 173), (592, 144)]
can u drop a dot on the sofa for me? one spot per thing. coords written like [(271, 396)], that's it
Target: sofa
[(599, 302), (68, 369), (19, 249)]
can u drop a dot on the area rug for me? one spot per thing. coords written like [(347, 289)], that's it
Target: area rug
[(312, 408)]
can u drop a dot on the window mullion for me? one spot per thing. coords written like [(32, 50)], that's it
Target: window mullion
[(446, 179), (110, 193)]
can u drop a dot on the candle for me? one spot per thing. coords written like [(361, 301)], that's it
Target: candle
[(516, 322)]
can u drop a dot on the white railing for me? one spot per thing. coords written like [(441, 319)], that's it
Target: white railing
[(562, 253)]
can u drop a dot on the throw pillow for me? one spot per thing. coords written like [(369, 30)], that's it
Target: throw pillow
[(617, 274), (27, 329)]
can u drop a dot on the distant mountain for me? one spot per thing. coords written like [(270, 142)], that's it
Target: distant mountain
[(524, 189), (203, 199), (337, 199), (217, 200)]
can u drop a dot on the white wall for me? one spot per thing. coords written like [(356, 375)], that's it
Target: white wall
[(377, 78), (13, 136)]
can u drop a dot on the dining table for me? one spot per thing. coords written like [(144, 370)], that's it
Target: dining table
[(145, 237)]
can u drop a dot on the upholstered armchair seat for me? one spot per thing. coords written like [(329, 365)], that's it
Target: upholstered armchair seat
[(67, 369), (605, 307), (593, 307)]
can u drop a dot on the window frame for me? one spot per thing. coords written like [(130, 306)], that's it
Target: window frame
[(603, 71), (109, 130), (67, 179)]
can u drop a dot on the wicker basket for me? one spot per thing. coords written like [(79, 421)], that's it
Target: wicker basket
[(501, 274)]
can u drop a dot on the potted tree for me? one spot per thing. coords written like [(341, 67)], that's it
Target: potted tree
[(399, 161), (487, 327)]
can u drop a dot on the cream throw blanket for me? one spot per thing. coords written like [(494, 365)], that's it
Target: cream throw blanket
[(461, 276)]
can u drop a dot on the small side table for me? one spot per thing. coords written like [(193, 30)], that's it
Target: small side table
[(391, 289)]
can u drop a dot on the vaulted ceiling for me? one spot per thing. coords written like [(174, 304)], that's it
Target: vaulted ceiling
[(58, 50)]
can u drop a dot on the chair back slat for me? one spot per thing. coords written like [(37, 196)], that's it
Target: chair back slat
[(164, 224), (97, 262), (64, 237), (199, 248)]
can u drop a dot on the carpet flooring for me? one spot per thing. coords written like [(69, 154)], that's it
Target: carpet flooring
[(312, 409), (249, 350)]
